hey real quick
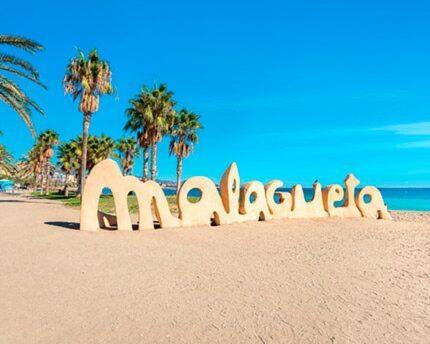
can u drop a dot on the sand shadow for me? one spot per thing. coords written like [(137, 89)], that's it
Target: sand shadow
[(75, 225), (11, 201), (63, 224), (28, 200)]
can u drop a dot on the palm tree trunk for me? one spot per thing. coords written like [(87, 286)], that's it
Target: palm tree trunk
[(178, 174), (78, 181), (42, 178), (37, 178), (47, 169), (85, 129), (154, 161), (127, 167), (124, 168), (66, 185), (130, 170), (145, 164)]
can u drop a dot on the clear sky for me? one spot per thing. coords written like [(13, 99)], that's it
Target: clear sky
[(295, 90)]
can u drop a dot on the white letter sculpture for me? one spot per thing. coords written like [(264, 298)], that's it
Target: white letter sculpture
[(252, 202)]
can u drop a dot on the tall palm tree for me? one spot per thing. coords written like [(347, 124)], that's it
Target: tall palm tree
[(163, 115), (10, 92), (47, 140), (87, 79), (150, 116), (183, 138), (68, 162), (127, 151), (138, 121)]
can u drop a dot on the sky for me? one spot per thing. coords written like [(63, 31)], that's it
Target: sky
[(290, 90)]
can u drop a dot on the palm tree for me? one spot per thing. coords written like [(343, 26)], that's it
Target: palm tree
[(87, 79), (106, 146), (98, 149), (6, 162), (10, 92), (183, 138), (31, 166), (47, 141), (68, 162), (151, 115), (163, 115), (127, 151), (139, 118)]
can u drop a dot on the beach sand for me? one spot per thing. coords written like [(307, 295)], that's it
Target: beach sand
[(301, 281)]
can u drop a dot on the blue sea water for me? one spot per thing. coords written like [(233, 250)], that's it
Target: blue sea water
[(406, 198), (394, 198)]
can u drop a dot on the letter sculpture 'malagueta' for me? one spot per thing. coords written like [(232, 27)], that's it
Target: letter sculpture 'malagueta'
[(232, 203)]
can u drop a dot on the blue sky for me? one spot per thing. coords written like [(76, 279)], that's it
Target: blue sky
[(295, 90)]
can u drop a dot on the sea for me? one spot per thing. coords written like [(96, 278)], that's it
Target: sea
[(407, 198), (417, 199)]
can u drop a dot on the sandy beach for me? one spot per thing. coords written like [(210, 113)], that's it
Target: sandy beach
[(302, 281)]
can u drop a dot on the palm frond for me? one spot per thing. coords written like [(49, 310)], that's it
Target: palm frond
[(20, 108), (88, 79), (21, 74), (27, 66), (21, 43), (184, 133), (6, 162), (10, 93), (15, 91)]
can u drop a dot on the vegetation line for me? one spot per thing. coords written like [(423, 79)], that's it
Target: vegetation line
[(106, 202)]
